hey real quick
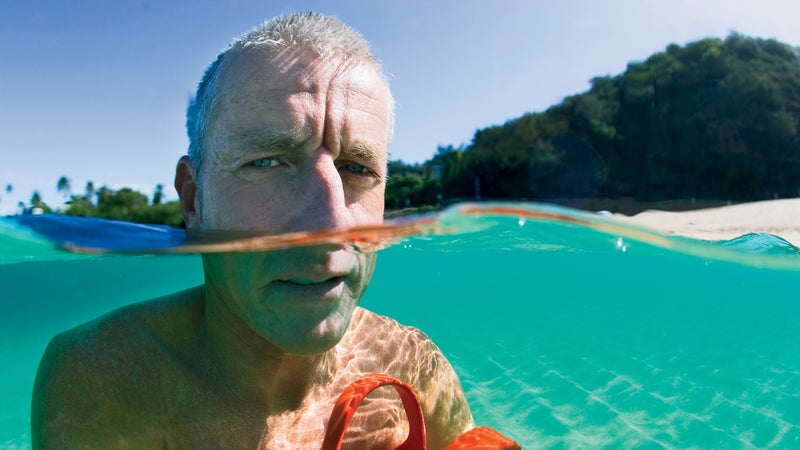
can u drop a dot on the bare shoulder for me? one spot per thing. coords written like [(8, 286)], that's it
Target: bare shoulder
[(126, 333), (102, 372), (386, 330), (410, 355), (400, 350)]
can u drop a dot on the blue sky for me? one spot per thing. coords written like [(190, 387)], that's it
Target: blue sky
[(97, 90)]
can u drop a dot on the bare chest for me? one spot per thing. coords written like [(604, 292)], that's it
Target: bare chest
[(213, 422)]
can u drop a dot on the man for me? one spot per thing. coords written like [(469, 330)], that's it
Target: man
[(288, 132)]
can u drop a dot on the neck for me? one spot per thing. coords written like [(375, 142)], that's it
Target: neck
[(253, 369)]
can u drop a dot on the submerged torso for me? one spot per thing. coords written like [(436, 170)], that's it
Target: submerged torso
[(151, 388)]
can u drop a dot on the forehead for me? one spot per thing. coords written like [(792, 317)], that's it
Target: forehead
[(263, 80), (295, 70)]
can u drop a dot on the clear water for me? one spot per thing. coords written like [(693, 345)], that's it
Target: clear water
[(568, 330)]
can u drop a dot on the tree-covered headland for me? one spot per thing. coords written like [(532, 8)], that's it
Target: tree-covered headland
[(716, 119)]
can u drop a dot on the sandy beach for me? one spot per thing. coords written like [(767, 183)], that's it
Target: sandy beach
[(779, 217)]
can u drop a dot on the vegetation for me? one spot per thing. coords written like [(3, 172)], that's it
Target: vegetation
[(38, 204), (125, 204), (715, 120)]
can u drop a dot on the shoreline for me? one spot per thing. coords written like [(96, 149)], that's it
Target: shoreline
[(778, 217)]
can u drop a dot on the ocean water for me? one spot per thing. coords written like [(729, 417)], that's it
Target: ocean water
[(568, 330)]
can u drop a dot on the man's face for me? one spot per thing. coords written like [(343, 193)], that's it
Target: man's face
[(294, 145)]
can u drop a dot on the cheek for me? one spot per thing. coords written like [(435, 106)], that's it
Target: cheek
[(230, 271), (232, 205), (367, 267), (368, 208), (235, 277)]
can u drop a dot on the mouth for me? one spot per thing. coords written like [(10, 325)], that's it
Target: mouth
[(310, 282), (308, 289), (314, 274)]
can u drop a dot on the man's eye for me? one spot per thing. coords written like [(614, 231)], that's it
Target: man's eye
[(357, 168), (264, 162)]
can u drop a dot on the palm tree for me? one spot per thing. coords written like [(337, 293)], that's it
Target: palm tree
[(158, 195), (63, 186), (89, 190), (37, 204)]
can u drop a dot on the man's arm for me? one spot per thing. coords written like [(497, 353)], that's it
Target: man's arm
[(78, 399), (59, 396)]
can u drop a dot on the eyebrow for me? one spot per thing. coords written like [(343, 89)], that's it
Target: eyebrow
[(295, 139), (264, 140), (363, 151), (273, 140)]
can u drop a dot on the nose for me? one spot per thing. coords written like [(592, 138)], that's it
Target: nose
[(321, 197)]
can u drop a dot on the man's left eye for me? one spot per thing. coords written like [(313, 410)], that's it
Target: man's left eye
[(357, 168)]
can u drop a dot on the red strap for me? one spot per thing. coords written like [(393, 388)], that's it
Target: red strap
[(351, 397), (482, 438)]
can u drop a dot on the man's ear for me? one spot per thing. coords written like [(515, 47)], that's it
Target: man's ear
[(186, 185)]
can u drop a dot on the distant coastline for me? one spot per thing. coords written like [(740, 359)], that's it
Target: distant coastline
[(778, 217)]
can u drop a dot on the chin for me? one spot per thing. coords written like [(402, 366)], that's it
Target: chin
[(309, 347), (322, 338)]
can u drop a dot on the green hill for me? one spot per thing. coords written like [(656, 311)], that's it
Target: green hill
[(714, 119)]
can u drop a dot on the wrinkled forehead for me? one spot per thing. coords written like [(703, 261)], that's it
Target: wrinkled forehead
[(271, 75), (285, 70), (266, 93), (291, 70)]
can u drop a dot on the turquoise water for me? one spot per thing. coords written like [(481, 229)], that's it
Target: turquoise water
[(567, 329)]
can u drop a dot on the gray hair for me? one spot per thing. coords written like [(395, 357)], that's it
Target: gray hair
[(326, 36)]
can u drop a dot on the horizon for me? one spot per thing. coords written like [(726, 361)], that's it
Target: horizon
[(98, 91)]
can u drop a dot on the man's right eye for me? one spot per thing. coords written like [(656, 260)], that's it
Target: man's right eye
[(264, 162)]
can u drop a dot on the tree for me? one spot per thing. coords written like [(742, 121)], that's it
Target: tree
[(63, 186), (158, 195), (38, 205), (125, 204), (80, 206), (90, 191)]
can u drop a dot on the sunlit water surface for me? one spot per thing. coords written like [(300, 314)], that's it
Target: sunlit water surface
[(567, 329)]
